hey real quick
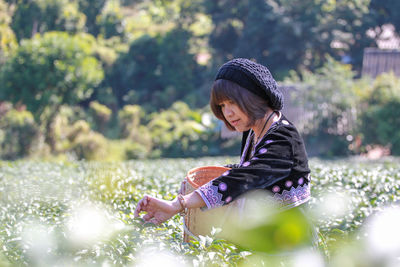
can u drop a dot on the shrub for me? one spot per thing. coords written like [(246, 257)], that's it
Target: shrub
[(90, 146), (101, 115), (179, 132), (80, 127), (136, 151), (19, 133), (62, 129), (328, 98), (129, 119), (380, 116)]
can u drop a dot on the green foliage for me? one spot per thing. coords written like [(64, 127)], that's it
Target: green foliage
[(92, 9), (78, 128), (136, 151), (62, 129), (386, 12), (140, 143), (268, 231), (155, 53), (73, 135), (111, 20), (89, 145), (179, 132), (155, 72), (380, 115), (43, 202), (51, 70), (101, 115), (40, 16), (380, 126), (329, 101), (287, 35), (7, 36), (71, 20), (18, 132), (129, 119)]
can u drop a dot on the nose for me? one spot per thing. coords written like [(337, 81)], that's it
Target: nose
[(228, 111)]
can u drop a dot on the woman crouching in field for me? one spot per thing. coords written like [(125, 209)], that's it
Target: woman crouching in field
[(273, 158)]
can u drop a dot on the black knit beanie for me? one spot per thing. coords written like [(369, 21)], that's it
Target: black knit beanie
[(254, 77)]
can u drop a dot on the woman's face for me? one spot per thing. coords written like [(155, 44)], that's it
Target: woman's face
[(235, 116)]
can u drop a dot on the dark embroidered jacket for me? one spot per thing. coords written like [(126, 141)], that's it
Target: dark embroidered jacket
[(279, 165)]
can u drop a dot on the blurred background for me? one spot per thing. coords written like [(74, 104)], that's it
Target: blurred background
[(119, 80)]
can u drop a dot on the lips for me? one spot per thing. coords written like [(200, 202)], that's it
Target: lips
[(234, 122)]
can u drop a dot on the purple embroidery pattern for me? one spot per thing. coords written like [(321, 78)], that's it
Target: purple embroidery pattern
[(228, 199), (288, 184), (268, 142), (210, 195), (247, 163), (294, 197), (246, 148), (225, 173), (275, 189), (301, 181), (263, 150), (222, 186)]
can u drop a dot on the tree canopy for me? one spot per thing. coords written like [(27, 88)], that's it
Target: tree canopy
[(51, 69)]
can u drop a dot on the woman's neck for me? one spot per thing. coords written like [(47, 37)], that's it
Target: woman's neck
[(262, 125)]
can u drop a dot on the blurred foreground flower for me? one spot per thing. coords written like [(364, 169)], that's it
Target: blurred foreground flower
[(383, 234), (153, 257), (332, 205), (39, 242), (89, 224)]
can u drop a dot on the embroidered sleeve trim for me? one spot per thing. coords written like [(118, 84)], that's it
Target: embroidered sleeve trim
[(209, 193), (294, 197)]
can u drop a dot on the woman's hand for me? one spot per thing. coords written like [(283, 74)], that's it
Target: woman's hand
[(157, 210)]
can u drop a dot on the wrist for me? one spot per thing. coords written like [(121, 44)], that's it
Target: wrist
[(177, 205), (182, 202)]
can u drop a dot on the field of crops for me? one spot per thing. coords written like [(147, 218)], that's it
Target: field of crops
[(81, 214)]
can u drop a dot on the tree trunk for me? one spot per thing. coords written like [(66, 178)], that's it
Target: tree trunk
[(49, 134)]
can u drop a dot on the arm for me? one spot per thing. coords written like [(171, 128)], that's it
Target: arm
[(270, 166), (159, 210)]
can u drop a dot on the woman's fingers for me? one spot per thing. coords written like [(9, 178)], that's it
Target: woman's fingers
[(137, 210), (147, 217), (141, 206), (154, 220), (157, 210)]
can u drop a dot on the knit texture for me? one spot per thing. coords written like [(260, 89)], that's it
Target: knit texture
[(254, 77)]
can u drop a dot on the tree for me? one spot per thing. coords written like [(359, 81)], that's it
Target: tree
[(155, 72), (380, 113), (329, 101), (289, 34), (387, 11), (19, 130), (40, 16), (7, 36), (111, 20), (50, 70), (92, 9)]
